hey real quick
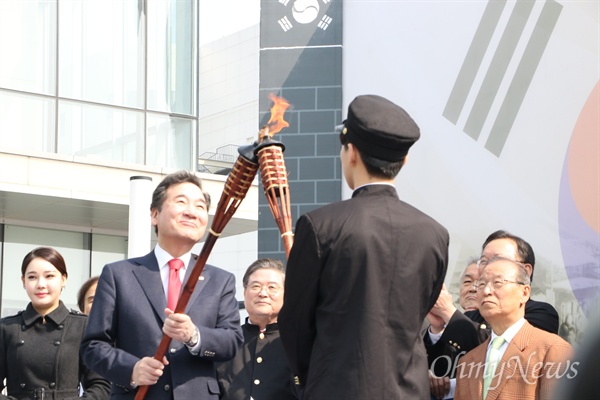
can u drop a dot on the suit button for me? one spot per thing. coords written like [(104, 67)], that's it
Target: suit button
[(60, 327), (173, 350), (23, 328), (262, 335), (167, 388), (22, 385), (57, 343), (21, 342), (259, 360), (257, 381)]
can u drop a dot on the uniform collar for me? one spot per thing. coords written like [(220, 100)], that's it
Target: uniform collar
[(58, 316), (254, 328), (372, 188)]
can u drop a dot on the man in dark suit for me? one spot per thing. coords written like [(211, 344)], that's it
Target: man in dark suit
[(504, 244), (363, 273), (130, 312)]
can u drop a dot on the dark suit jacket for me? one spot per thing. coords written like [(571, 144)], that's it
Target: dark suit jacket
[(126, 321), (528, 369), (537, 313), (361, 276), (460, 336)]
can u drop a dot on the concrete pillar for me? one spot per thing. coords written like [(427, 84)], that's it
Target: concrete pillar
[(140, 225)]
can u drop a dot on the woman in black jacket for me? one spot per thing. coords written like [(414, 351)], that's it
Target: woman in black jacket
[(39, 347)]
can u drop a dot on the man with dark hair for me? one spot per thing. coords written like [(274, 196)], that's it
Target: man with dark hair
[(363, 273), (504, 244), (260, 370), (135, 299)]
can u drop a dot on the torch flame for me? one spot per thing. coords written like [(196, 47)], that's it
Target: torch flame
[(276, 122)]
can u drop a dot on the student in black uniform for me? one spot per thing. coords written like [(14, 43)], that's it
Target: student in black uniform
[(363, 273), (39, 347)]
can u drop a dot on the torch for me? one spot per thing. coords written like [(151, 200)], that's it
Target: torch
[(236, 187), (273, 172)]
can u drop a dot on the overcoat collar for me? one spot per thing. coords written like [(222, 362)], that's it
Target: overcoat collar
[(57, 315)]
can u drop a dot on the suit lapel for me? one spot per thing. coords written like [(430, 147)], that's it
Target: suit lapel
[(512, 360), (148, 275), (202, 280)]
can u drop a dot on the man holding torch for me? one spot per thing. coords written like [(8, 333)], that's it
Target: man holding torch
[(135, 299), (363, 273)]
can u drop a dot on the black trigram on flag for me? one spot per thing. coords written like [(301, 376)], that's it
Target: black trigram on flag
[(513, 58)]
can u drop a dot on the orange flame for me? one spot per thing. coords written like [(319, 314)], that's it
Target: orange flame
[(276, 122)]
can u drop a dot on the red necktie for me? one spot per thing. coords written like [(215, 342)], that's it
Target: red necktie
[(174, 283)]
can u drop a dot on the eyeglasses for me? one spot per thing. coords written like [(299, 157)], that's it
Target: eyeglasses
[(495, 284), (271, 288)]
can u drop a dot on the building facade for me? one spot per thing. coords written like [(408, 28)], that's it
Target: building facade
[(91, 94)]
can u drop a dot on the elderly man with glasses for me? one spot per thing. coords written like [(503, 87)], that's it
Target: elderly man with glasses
[(518, 361), (504, 244), (259, 370)]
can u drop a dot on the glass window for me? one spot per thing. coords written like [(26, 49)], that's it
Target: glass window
[(101, 51), (28, 45), (171, 56), (170, 141), (18, 241), (107, 249), (26, 122), (101, 132)]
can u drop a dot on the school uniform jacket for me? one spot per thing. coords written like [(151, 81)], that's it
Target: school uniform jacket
[(126, 324), (529, 369), (361, 276), (259, 370)]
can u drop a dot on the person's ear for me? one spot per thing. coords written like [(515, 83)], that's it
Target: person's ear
[(528, 268), (405, 159), (154, 215), (526, 294), (353, 156)]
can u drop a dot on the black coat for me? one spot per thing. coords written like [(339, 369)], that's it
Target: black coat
[(361, 276), (38, 357)]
